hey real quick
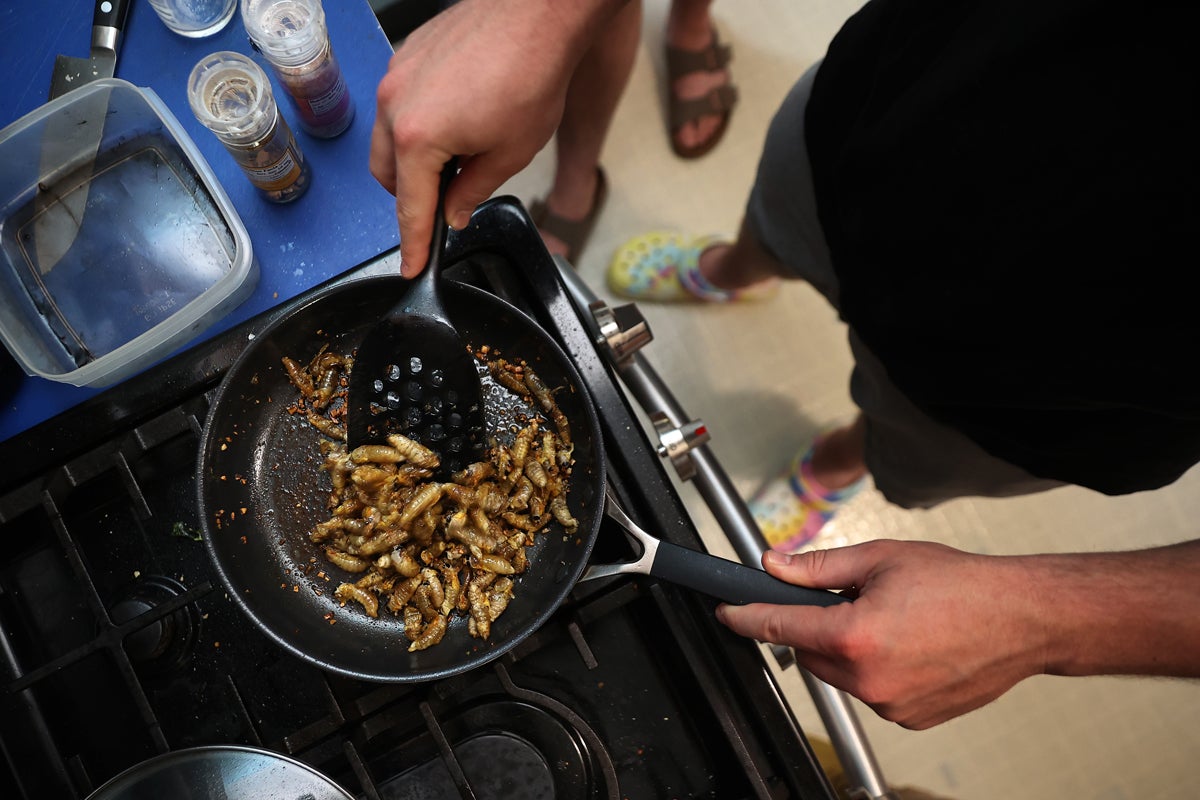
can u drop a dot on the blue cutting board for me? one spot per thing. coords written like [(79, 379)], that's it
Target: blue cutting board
[(344, 219)]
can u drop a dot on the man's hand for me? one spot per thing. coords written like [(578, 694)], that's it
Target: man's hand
[(485, 81), (934, 632), (931, 634)]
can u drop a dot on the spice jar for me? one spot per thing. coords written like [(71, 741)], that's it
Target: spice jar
[(292, 36), (231, 96)]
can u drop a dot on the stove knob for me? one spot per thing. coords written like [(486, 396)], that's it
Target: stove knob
[(623, 330), (676, 442)]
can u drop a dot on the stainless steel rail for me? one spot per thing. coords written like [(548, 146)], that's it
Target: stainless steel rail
[(700, 466)]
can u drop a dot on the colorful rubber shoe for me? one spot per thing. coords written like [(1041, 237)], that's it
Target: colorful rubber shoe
[(792, 509), (664, 267)]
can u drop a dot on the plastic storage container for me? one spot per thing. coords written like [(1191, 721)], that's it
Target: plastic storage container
[(117, 245)]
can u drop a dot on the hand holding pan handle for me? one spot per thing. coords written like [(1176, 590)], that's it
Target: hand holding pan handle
[(717, 577)]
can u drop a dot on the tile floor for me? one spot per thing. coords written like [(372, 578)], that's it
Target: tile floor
[(765, 377)]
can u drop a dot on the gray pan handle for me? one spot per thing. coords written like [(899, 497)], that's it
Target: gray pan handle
[(730, 581), (717, 577)]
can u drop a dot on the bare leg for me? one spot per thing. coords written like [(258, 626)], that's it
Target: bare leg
[(739, 265), (793, 507), (690, 27), (839, 458), (592, 98)]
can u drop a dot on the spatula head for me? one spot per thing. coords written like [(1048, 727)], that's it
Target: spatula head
[(414, 375)]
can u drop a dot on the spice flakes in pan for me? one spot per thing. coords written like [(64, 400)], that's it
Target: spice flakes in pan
[(428, 551)]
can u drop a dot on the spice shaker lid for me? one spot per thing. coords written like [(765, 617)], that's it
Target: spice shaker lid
[(288, 32), (231, 96)]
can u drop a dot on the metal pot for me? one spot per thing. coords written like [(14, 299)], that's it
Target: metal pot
[(220, 773)]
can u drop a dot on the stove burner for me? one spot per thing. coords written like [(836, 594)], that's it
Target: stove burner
[(164, 640), (500, 748), (499, 766)]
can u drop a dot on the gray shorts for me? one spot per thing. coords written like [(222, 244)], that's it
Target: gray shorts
[(915, 461)]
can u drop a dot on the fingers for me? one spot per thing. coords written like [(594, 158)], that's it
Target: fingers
[(807, 627), (478, 180), (933, 632), (418, 181), (416, 197), (380, 161), (814, 629), (415, 186)]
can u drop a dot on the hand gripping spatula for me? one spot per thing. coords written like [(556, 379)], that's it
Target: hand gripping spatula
[(413, 374), (59, 213)]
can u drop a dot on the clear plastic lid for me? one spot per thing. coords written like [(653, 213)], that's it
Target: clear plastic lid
[(288, 32), (221, 773), (231, 96)]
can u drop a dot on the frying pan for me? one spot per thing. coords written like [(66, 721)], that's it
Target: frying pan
[(261, 491)]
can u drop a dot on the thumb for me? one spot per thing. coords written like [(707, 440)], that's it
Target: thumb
[(836, 568), (804, 627)]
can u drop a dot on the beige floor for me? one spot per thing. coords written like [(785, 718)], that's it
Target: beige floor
[(764, 377)]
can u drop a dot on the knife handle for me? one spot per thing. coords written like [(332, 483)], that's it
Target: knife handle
[(108, 21)]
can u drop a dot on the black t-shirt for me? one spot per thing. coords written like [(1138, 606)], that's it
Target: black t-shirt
[(1009, 191)]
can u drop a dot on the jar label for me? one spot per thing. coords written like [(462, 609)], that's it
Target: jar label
[(331, 100), (327, 111), (279, 175)]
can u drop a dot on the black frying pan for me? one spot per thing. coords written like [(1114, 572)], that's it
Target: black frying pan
[(261, 491)]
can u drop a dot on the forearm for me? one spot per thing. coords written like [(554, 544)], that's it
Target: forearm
[(1131, 613), (934, 632), (577, 22)]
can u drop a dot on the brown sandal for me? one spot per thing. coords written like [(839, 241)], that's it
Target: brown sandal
[(718, 100), (573, 233)]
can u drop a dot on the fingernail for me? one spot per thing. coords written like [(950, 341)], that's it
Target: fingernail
[(461, 220), (405, 272), (777, 558), (721, 612)]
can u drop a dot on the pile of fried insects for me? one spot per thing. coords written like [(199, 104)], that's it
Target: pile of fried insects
[(429, 551)]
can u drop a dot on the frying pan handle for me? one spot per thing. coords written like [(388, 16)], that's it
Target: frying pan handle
[(732, 582)]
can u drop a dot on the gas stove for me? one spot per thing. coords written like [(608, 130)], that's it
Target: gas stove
[(118, 642)]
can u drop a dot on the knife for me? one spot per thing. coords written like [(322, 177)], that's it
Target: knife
[(58, 215)]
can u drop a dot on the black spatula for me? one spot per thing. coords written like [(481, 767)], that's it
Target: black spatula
[(413, 374)]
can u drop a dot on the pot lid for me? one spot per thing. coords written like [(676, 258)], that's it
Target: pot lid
[(220, 773)]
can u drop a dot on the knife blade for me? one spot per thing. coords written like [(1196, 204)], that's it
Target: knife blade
[(59, 215)]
